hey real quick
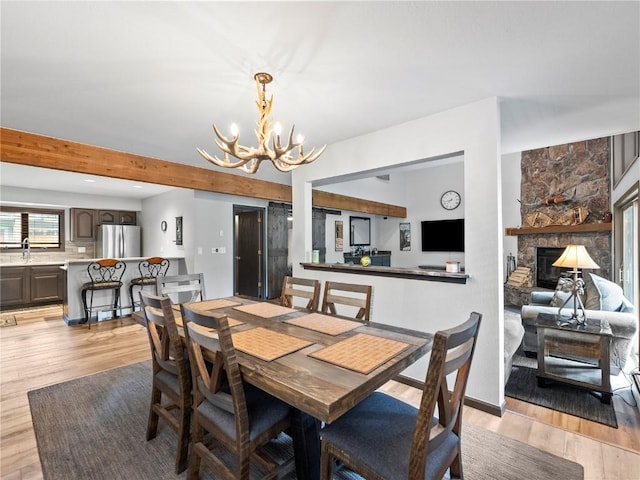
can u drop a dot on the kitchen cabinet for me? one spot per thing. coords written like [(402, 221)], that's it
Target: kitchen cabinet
[(83, 221), (46, 284), (31, 285), (14, 286), (116, 217)]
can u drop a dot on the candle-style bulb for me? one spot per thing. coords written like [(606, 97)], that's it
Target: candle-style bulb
[(234, 129)]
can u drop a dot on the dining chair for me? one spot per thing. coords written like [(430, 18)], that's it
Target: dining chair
[(305, 288), (237, 422), (104, 274), (181, 288), (171, 375), (350, 295), (383, 438), (150, 269)]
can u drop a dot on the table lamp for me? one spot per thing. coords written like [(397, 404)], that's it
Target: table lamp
[(575, 257)]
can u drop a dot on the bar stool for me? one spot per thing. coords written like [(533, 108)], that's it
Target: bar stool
[(150, 269), (105, 274)]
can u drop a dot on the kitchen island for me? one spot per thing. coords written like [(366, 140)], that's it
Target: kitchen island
[(77, 275)]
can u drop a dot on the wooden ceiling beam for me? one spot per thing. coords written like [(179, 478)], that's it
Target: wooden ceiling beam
[(48, 152)]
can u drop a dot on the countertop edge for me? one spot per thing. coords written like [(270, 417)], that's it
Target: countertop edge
[(397, 272)]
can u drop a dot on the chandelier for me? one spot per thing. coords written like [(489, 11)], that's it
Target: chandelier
[(248, 159)]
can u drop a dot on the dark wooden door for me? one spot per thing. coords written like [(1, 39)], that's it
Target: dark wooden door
[(277, 249), (248, 252), (318, 233)]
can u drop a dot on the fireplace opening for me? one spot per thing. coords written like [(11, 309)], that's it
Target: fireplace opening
[(546, 274)]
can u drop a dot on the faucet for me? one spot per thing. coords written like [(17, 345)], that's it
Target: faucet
[(26, 249)]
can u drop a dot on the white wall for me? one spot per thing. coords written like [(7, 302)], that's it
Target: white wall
[(429, 306), (207, 223)]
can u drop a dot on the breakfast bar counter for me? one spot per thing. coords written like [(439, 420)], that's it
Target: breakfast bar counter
[(428, 274), (77, 275)]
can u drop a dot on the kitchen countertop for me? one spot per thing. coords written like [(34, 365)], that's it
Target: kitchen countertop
[(33, 264), (127, 259)]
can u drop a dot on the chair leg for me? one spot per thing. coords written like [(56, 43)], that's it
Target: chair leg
[(455, 470), (133, 305), (152, 423), (193, 472), (326, 463), (84, 305), (183, 438), (115, 303)]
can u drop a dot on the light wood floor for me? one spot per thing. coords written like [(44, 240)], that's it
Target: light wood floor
[(42, 350)]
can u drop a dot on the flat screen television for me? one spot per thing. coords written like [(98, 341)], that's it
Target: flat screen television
[(443, 235)]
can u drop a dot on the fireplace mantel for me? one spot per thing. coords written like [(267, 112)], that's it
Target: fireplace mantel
[(554, 229)]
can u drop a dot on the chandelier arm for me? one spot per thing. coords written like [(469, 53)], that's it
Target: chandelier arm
[(308, 158), (226, 162), (281, 152)]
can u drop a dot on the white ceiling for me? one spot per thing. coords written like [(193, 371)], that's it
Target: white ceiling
[(151, 77)]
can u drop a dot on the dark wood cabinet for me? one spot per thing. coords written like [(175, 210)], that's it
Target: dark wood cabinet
[(127, 218), (116, 217), (31, 285), (107, 217), (46, 284), (83, 221), (14, 286)]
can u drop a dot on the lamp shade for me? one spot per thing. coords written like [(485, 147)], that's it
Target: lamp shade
[(575, 256)]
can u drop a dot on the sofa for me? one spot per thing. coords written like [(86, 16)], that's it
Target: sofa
[(602, 299)]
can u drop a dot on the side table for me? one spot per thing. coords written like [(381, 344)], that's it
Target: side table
[(559, 341)]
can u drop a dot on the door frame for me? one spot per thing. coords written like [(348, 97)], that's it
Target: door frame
[(262, 263)]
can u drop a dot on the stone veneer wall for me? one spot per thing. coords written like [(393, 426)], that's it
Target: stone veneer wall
[(580, 167)]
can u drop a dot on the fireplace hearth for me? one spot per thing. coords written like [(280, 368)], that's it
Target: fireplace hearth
[(546, 274)]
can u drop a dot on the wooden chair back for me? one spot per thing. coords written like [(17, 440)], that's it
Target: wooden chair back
[(451, 355), (182, 288), (164, 339), (300, 287), (168, 357), (348, 294)]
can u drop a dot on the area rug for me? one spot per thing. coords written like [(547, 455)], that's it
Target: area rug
[(94, 428), (523, 385)]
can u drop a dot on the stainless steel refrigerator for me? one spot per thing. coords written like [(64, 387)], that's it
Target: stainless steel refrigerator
[(118, 241)]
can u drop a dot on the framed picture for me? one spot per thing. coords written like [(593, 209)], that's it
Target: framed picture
[(405, 237), (339, 235)]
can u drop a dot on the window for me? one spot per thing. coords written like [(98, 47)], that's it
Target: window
[(43, 227)]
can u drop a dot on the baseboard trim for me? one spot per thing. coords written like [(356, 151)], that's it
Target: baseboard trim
[(489, 408)]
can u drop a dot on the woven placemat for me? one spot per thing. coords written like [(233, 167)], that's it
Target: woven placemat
[(266, 344), (232, 321), (211, 304), (324, 323), (361, 353), (265, 309)]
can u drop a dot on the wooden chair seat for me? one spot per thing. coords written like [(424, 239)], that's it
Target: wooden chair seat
[(383, 438)]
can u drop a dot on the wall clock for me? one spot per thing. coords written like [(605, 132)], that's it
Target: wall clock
[(163, 226), (450, 200)]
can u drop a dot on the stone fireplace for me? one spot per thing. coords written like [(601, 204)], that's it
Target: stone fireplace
[(580, 172)]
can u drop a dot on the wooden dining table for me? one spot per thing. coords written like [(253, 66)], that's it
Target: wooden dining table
[(320, 365)]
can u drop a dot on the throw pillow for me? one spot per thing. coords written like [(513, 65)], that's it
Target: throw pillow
[(602, 294)]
